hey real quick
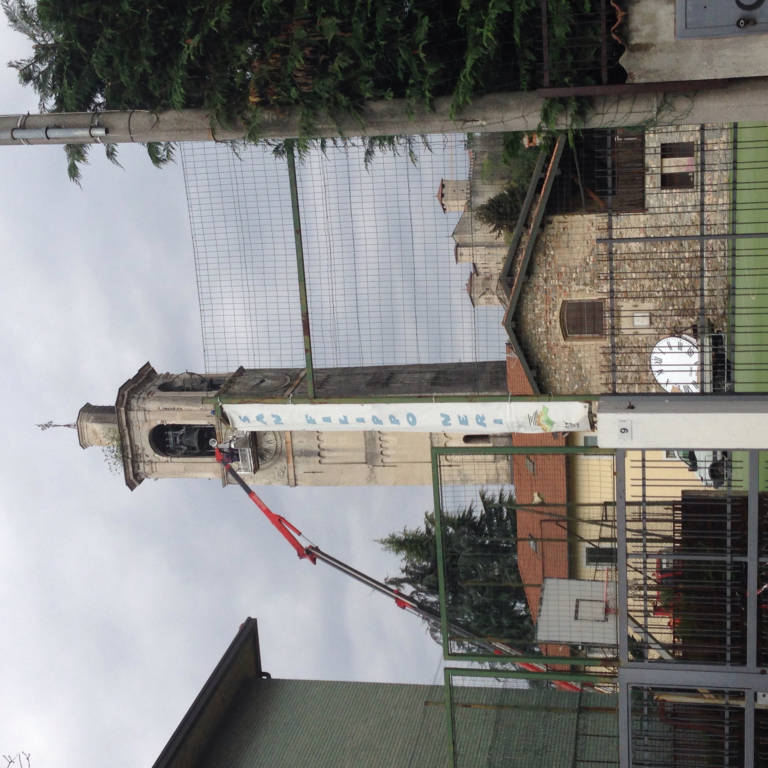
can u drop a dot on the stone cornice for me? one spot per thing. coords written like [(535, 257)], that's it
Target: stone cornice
[(132, 478)]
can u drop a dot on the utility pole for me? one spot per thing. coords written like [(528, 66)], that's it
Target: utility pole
[(739, 100)]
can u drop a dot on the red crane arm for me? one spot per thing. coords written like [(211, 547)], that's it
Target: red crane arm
[(290, 532), (284, 527)]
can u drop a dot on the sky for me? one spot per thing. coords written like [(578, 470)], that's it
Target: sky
[(117, 605), (383, 285)]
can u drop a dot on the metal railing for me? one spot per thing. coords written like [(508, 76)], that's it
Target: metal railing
[(692, 624), (500, 718), (667, 548), (688, 265)]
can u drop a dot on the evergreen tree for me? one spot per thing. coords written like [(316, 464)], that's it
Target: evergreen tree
[(483, 584), (235, 57)]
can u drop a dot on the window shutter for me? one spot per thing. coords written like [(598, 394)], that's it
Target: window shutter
[(629, 161), (677, 158), (583, 318)]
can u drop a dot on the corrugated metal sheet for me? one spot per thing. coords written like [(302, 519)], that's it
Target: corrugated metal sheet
[(328, 724)]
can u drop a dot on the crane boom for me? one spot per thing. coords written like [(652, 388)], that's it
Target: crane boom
[(313, 553)]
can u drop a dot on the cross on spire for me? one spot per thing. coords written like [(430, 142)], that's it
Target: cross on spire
[(51, 425)]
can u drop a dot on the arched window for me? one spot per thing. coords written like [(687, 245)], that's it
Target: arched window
[(582, 319), (182, 439)]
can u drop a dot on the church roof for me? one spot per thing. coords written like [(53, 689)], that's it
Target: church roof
[(520, 251), (241, 661)]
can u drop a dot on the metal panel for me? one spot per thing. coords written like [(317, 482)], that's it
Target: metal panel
[(693, 421), (704, 18), (577, 611), (752, 555)]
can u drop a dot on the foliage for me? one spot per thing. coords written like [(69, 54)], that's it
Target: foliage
[(113, 455), (371, 145), (484, 589), (501, 211), (324, 57)]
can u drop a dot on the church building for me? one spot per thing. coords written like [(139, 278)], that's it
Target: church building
[(166, 425)]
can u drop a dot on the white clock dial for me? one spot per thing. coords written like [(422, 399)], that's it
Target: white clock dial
[(675, 364)]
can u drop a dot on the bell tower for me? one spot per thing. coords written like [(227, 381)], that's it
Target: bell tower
[(164, 424)]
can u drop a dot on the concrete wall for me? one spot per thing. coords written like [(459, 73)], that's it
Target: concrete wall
[(655, 55)]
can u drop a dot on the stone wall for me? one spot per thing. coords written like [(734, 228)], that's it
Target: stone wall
[(650, 289), (565, 265)]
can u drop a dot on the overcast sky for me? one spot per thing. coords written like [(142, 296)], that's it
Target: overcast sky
[(117, 605)]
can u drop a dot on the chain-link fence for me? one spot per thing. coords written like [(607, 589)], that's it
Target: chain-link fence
[(618, 260), (526, 552), (380, 277), (499, 718)]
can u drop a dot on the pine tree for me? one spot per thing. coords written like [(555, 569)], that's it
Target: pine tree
[(483, 584)]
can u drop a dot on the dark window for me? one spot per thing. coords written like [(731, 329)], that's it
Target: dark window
[(677, 181), (476, 439), (182, 439), (582, 318), (677, 159), (601, 555), (677, 149)]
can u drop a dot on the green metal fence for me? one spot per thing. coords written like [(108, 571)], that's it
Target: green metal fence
[(500, 718), (525, 551)]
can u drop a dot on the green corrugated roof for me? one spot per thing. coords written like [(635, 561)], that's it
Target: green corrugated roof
[(329, 724)]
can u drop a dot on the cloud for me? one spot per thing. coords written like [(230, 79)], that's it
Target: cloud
[(117, 605)]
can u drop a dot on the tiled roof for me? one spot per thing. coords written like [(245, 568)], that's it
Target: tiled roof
[(518, 382), (540, 482), (542, 540)]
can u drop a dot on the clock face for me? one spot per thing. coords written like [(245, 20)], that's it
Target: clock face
[(675, 364), (267, 447)]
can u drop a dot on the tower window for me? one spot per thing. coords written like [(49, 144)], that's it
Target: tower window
[(582, 319), (182, 439)]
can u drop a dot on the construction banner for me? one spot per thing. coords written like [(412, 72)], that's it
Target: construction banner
[(462, 417)]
